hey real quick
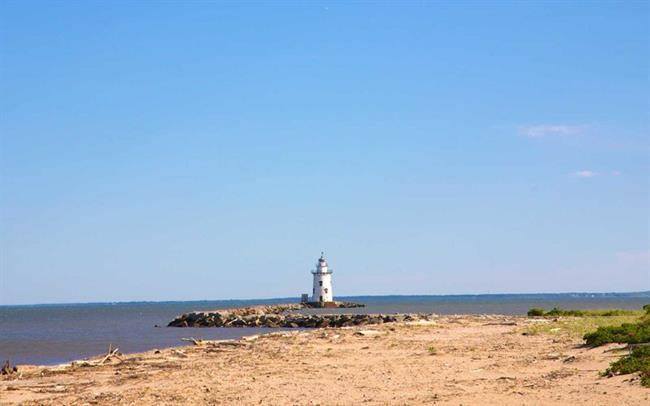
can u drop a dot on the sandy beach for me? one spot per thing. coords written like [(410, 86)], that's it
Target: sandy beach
[(452, 360)]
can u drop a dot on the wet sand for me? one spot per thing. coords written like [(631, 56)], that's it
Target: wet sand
[(452, 360)]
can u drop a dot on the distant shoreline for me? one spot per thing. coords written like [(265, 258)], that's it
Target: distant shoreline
[(638, 294)]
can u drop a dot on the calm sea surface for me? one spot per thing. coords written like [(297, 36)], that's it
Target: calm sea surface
[(50, 334)]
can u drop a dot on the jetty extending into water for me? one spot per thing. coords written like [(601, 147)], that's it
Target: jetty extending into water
[(283, 315)]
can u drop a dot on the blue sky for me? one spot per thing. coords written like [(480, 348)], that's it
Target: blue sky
[(189, 150)]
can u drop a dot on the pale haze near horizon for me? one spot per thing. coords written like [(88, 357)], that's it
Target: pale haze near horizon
[(181, 151)]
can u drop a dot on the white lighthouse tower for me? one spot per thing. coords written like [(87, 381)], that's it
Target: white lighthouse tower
[(322, 292)]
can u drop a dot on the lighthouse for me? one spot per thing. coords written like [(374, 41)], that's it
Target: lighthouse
[(322, 292)]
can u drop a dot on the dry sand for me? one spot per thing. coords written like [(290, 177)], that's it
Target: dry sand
[(457, 360)]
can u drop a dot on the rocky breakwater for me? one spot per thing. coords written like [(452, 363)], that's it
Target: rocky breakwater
[(231, 317), (292, 320)]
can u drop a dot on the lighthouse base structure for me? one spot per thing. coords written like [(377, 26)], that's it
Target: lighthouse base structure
[(334, 304), (323, 305)]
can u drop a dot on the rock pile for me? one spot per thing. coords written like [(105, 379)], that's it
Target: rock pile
[(258, 310), (221, 319)]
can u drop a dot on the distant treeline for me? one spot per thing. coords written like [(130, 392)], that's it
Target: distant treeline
[(596, 295)]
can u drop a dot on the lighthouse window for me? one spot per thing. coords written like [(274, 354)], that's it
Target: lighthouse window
[(320, 283), (325, 290)]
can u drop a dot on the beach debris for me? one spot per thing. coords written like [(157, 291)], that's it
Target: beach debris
[(559, 374), (79, 364), (569, 359), (179, 353), (229, 343), (60, 368), (539, 321), (421, 323), (502, 323), (8, 369), (111, 353), (367, 333), (193, 341)]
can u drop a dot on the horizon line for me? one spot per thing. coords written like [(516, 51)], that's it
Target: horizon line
[(641, 292)]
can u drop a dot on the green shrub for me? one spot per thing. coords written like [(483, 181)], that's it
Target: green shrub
[(556, 312), (535, 311), (637, 361), (627, 333)]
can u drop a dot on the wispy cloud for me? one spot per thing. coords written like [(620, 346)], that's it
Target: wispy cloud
[(584, 174), (551, 130)]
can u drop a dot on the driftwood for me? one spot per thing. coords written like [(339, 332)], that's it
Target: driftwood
[(111, 353), (636, 345), (179, 353), (501, 323), (218, 343), (8, 369), (228, 343), (367, 333), (193, 341)]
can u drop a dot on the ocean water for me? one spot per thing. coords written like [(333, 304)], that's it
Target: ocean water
[(51, 334)]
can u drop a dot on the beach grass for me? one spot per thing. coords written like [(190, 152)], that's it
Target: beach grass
[(578, 326), (599, 327), (627, 333), (637, 332), (637, 336)]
